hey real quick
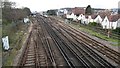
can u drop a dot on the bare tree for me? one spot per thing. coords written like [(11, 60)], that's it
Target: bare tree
[(8, 4)]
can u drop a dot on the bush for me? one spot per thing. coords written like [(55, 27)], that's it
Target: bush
[(51, 12), (6, 22), (94, 24), (117, 30)]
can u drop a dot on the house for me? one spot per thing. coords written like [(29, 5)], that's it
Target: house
[(65, 11), (105, 18), (60, 12), (111, 22), (89, 18), (114, 25), (106, 23), (118, 23), (114, 11), (98, 19), (70, 16), (114, 19), (94, 18), (78, 10), (69, 10), (81, 18), (86, 19), (104, 13), (74, 18)]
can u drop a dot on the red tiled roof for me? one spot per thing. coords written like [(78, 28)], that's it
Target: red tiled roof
[(103, 14), (93, 16), (78, 10), (113, 18)]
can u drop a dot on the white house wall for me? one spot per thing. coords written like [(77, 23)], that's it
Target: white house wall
[(68, 16), (118, 23), (74, 17), (105, 23), (98, 19), (80, 17), (114, 24), (90, 19), (65, 11), (109, 25)]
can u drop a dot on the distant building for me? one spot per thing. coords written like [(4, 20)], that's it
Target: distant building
[(111, 22), (60, 12), (114, 19), (106, 23), (105, 17), (78, 10), (98, 19), (118, 23), (114, 11), (81, 17), (97, 10)]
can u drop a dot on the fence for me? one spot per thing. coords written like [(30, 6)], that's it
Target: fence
[(102, 31)]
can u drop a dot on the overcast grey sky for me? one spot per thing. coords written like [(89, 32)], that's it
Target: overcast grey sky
[(42, 5)]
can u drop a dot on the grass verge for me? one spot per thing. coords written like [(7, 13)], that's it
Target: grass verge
[(114, 42), (16, 41)]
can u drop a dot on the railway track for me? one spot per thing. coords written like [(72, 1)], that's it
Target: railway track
[(101, 48), (81, 50), (38, 51), (110, 53), (58, 43), (53, 44), (87, 55), (29, 56), (87, 64), (34, 54), (47, 45)]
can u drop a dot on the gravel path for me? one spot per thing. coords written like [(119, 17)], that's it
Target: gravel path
[(20, 51)]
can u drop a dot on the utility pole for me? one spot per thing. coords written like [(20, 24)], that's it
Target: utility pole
[(108, 33), (109, 30)]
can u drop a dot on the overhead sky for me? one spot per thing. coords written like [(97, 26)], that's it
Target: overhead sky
[(43, 5)]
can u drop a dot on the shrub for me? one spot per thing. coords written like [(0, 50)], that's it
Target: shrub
[(117, 30), (92, 23)]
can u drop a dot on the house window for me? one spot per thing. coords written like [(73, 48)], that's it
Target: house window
[(105, 26), (112, 27), (106, 20)]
